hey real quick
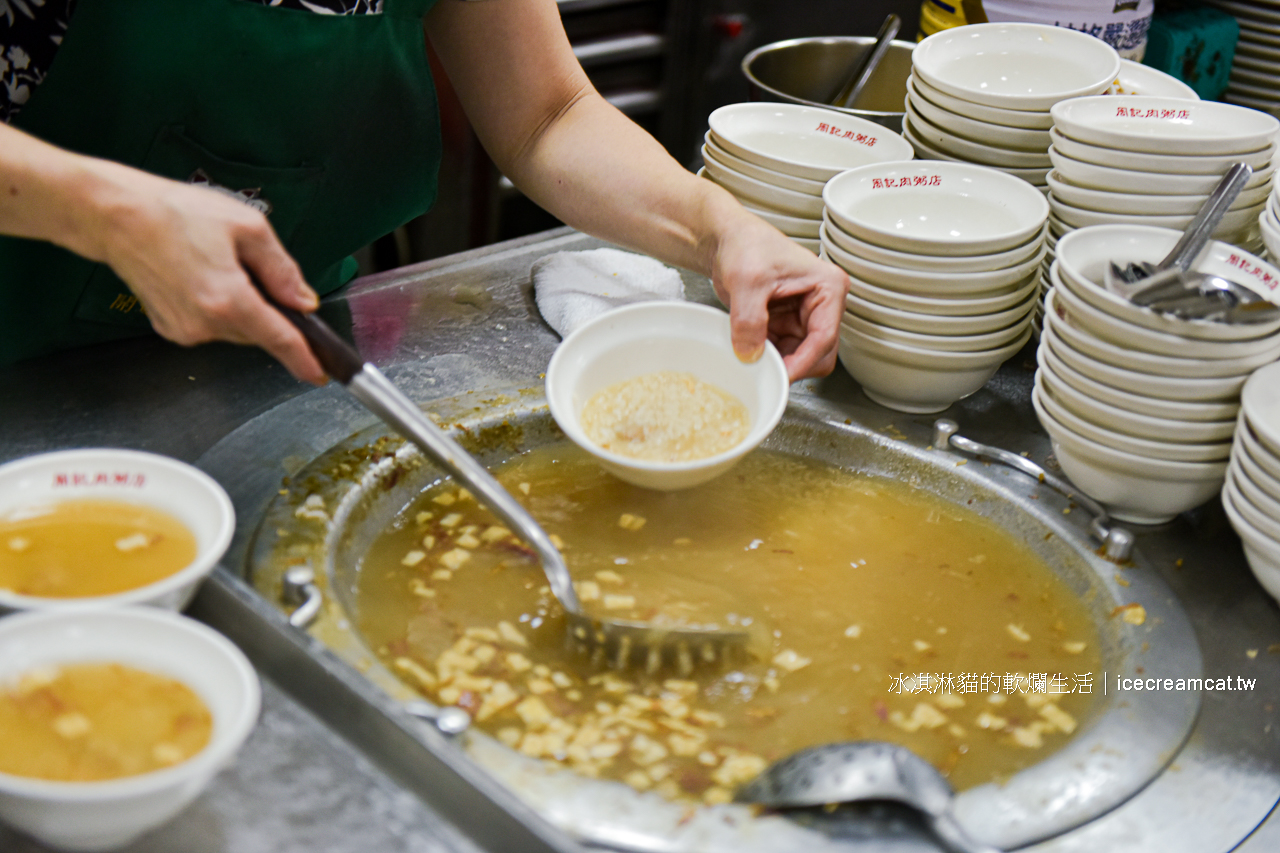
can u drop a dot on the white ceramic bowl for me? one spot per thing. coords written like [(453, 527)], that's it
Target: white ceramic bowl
[(1214, 390), (1131, 487), (1138, 79), (792, 226), (1124, 158), (1100, 392), (985, 152), (943, 306), (1083, 256), (1015, 65), (761, 194), (1233, 223), (908, 379), (989, 133), (1260, 551), (1107, 201), (657, 336), (930, 263), (928, 151), (1147, 448), (930, 283), (1122, 419), (108, 814), (804, 141), (711, 151), (1165, 125), (1260, 402), (935, 324), (1151, 364), (936, 207), (129, 476), (1024, 119), (984, 342), (1099, 177), (1124, 334)]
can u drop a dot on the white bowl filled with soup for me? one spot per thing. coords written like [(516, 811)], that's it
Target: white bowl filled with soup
[(114, 720), (106, 527), (656, 394)]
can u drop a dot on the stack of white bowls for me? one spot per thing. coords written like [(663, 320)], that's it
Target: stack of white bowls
[(1269, 223), (1147, 160), (1141, 406), (943, 260), (1251, 494), (776, 158), (981, 93), (1257, 60)]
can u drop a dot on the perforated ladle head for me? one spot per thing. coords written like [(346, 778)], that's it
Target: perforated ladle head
[(857, 771)]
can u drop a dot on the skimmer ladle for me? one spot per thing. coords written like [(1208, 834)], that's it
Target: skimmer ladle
[(857, 771), (616, 643)]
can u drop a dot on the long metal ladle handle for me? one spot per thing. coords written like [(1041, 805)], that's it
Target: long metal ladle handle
[(1207, 218), (867, 62), (368, 385)]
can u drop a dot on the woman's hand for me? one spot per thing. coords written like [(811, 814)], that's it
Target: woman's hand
[(778, 290), (182, 250)]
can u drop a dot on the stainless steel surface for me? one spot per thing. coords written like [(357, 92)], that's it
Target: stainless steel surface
[(867, 63), (857, 771), (809, 70), (467, 324)]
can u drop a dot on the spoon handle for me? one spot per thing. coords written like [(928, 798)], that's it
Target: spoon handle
[(1207, 218), (867, 63)]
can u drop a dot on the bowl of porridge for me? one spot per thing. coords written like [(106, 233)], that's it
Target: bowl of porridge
[(656, 394)]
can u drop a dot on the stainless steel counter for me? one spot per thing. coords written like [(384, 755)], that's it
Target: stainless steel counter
[(467, 323)]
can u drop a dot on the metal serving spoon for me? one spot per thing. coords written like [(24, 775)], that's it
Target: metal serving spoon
[(866, 63), (617, 643), (1196, 295), (862, 770), (1127, 280)]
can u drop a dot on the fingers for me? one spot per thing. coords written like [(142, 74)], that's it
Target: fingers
[(749, 322)]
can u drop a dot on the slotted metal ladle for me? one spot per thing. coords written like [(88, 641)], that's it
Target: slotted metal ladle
[(616, 643), (857, 771)]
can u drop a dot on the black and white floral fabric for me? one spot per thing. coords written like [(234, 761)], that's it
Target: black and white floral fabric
[(31, 32)]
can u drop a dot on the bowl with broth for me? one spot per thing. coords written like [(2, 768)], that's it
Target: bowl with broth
[(106, 527), (656, 394), (114, 720)]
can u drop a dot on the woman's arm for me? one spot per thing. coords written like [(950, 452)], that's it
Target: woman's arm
[(181, 249), (557, 139)]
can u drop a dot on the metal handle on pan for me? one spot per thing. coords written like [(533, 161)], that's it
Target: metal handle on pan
[(1117, 542)]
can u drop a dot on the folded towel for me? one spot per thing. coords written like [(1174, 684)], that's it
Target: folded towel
[(574, 287)]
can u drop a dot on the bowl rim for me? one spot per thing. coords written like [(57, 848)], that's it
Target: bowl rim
[(224, 740), (189, 574), (1014, 272), (991, 262), (1081, 115), (1037, 139), (1211, 164), (711, 150), (924, 62), (974, 150), (568, 421), (1040, 119)]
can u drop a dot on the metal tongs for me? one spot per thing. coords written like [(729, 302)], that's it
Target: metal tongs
[(1172, 287), (616, 643)]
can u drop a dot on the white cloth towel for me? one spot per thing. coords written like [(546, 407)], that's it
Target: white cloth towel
[(574, 287)]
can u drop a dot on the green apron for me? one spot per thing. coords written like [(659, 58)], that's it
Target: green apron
[(330, 120)]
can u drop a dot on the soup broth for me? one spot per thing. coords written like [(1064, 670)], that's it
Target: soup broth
[(80, 548), (90, 722), (882, 613)]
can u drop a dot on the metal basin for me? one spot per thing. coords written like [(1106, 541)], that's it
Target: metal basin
[(360, 484), (812, 70)]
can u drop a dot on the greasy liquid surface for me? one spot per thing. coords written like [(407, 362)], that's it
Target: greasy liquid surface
[(88, 722), (90, 547), (858, 587)]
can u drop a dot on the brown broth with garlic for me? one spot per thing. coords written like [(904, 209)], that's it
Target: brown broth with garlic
[(859, 587), (90, 547)]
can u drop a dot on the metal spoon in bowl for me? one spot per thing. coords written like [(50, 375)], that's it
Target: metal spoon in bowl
[(862, 770), (1127, 280), (866, 63), (616, 643), (1197, 295)]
